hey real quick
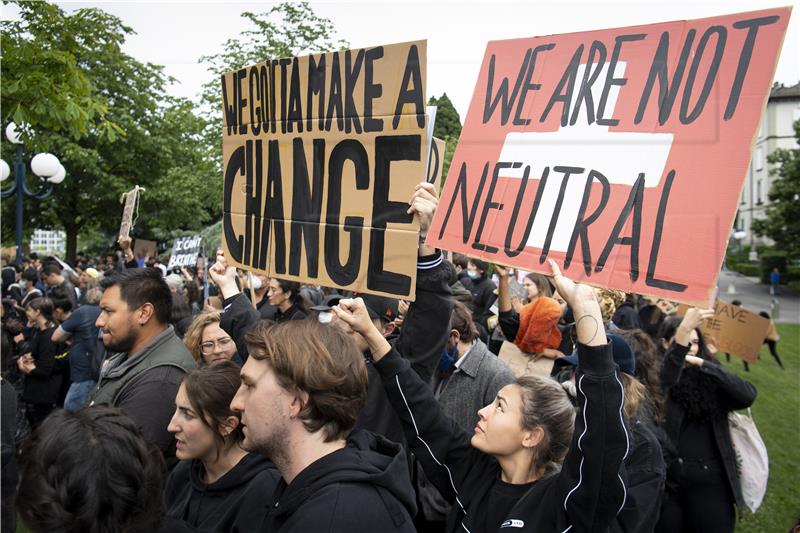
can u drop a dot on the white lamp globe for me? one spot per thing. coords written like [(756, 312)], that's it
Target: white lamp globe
[(5, 171), (44, 165), (13, 133), (59, 176)]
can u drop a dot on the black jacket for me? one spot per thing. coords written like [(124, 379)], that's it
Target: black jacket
[(43, 385), (585, 495), (235, 502), (422, 338), (483, 296), (736, 392), (626, 317), (362, 487)]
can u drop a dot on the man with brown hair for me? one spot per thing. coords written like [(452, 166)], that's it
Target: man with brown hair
[(302, 389)]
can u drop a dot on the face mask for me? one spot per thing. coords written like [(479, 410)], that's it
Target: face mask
[(472, 274), (257, 283), (448, 359)]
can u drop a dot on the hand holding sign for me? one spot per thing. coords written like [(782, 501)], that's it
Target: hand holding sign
[(691, 320)]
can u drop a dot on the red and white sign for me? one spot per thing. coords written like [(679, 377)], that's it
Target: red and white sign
[(620, 153)]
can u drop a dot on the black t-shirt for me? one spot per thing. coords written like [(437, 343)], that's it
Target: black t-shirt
[(697, 440), (502, 498)]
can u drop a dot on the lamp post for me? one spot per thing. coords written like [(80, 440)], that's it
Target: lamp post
[(44, 165)]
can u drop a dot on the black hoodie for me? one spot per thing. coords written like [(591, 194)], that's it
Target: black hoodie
[(362, 487), (235, 502)]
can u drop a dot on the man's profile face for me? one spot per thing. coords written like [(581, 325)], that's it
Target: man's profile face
[(264, 405), (117, 322)]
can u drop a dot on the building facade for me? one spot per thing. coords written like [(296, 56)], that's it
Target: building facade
[(48, 241), (775, 131)]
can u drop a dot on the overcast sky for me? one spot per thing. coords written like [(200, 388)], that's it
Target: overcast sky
[(177, 33)]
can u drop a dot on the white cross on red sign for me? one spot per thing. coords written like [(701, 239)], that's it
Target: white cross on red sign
[(620, 153)]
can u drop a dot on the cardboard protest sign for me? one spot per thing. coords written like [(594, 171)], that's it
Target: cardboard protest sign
[(524, 364), (131, 201), (436, 163), (619, 153), (184, 252), (320, 156), (734, 330), (145, 248)]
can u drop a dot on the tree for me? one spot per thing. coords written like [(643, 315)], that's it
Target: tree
[(162, 148), (447, 127), (782, 223), (286, 30)]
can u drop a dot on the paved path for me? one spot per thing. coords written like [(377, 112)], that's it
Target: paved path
[(755, 297)]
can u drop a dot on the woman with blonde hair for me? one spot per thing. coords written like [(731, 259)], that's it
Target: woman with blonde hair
[(208, 342)]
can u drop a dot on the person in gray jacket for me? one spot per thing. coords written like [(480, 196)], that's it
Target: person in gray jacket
[(146, 360), (469, 377)]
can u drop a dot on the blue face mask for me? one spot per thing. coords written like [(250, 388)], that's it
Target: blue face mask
[(472, 274), (448, 359)]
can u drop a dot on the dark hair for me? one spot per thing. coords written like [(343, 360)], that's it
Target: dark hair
[(461, 260), (210, 390), (51, 268), (90, 471), (31, 275), (180, 308), (648, 368), (321, 360), (60, 301), (667, 333), (480, 265), (461, 321), (138, 286), (297, 296), (43, 305)]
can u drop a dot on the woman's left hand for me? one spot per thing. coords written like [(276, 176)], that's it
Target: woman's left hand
[(693, 360)]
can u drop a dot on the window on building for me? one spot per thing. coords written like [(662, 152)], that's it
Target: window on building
[(759, 158), (758, 192)]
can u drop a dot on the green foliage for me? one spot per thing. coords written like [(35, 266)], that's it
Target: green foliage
[(776, 413), (782, 223), (162, 148), (447, 127), (46, 80), (769, 260), (286, 30)]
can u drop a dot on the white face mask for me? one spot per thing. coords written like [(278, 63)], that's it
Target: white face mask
[(257, 283)]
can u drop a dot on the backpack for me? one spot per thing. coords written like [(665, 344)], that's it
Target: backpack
[(752, 462)]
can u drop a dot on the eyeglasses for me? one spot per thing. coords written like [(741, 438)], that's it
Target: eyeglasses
[(207, 348)]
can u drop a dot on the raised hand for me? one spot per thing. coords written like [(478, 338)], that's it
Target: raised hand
[(224, 276)]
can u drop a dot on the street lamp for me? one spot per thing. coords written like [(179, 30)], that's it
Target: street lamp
[(46, 166)]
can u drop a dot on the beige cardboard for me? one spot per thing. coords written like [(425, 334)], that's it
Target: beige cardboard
[(436, 163), (145, 248), (735, 330), (524, 364), (252, 155)]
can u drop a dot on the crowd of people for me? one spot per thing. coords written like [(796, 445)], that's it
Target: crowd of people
[(133, 403)]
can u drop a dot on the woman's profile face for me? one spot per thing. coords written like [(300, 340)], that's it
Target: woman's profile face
[(531, 289), (193, 439), (499, 430)]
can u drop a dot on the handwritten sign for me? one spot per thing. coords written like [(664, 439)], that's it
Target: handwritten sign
[(321, 154), (620, 153), (184, 252), (524, 364), (735, 330)]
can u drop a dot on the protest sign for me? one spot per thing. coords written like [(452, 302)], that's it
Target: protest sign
[(734, 330), (436, 163), (320, 156), (619, 153), (144, 248), (524, 364), (184, 252), (129, 211)]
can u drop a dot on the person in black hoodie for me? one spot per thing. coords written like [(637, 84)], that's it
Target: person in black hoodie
[(217, 486), (702, 482), (303, 386), (482, 289), (523, 467)]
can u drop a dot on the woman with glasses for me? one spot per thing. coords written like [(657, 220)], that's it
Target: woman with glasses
[(702, 483), (208, 342)]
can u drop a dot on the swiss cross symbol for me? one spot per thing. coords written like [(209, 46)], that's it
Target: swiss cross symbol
[(619, 153), (628, 154)]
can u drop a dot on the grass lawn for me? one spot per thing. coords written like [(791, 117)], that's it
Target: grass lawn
[(777, 415)]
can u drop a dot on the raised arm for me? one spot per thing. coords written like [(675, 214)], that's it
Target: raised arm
[(442, 447), (676, 354), (238, 315), (591, 490)]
